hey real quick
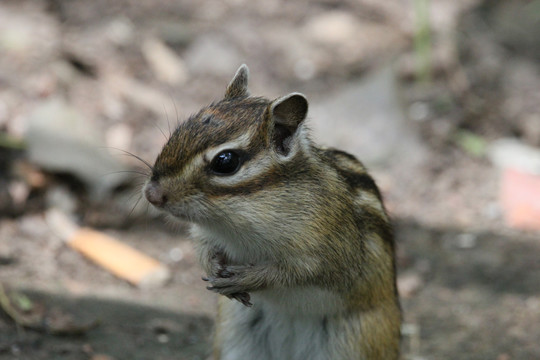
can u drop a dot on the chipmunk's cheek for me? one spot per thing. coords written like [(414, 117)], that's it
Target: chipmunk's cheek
[(190, 207)]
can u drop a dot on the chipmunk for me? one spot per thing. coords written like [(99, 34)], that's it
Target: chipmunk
[(294, 236)]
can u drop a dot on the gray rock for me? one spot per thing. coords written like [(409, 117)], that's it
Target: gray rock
[(212, 54), (367, 120), (511, 153), (174, 32), (167, 66), (60, 139)]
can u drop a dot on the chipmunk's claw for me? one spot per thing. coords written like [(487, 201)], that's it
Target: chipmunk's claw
[(229, 280), (242, 297)]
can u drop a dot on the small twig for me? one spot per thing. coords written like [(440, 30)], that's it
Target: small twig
[(422, 41)]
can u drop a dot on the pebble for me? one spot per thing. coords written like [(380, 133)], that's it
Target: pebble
[(167, 66), (466, 241), (61, 139), (409, 284), (335, 27), (511, 153)]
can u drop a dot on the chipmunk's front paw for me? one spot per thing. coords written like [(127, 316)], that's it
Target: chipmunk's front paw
[(232, 281)]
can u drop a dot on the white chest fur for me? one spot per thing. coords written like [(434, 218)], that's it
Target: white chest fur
[(292, 324), (262, 333)]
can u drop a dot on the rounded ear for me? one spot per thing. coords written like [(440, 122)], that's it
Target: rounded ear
[(289, 110), (238, 87), (287, 113)]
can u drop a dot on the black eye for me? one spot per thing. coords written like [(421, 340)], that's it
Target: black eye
[(226, 163)]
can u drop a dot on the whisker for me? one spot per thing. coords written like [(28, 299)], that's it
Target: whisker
[(134, 206), (176, 111), (142, 173), (134, 156), (168, 122), (159, 128), (135, 192), (211, 207)]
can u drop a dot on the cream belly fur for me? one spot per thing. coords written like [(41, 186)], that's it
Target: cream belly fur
[(298, 325)]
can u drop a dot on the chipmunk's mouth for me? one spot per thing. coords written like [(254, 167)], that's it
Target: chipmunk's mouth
[(192, 208), (186, 213)]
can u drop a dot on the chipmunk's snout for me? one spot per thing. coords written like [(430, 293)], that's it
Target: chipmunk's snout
[(154, 194)]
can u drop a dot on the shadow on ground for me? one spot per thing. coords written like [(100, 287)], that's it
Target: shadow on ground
[(125, 331), (478, 298)]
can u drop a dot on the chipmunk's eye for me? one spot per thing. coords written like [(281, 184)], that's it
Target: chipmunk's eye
[(226, 162)]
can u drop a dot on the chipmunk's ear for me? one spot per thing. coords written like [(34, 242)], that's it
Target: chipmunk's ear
[(287, 113), (238, 87)]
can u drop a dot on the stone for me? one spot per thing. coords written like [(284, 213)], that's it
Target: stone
[(212, 55), (367, 120), (511, 153), (167, 66), (62, 140)]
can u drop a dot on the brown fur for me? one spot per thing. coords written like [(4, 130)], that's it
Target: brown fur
[(295, 218)]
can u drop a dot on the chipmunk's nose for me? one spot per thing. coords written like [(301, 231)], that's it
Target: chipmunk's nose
[(154, 194)]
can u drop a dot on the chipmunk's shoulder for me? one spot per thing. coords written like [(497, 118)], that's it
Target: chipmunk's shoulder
[(350, 169)]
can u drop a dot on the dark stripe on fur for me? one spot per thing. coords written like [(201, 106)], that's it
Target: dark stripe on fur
[(207, 129)]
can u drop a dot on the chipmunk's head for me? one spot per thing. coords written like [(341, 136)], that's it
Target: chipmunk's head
[(228, 151)]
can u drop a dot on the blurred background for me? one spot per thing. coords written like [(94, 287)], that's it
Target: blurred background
[(439, 98)]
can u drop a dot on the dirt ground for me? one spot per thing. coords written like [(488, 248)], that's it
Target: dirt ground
[(128, 71)]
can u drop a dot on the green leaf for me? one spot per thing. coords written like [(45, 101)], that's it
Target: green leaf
[(22, 302), (471, 143)]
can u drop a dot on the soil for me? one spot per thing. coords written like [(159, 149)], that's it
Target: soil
[(468, 282)]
